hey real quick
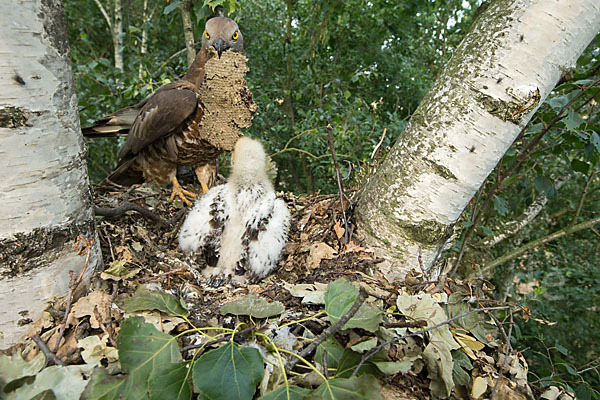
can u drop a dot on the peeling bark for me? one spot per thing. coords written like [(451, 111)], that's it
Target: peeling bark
[(44, 187), (513, 56)]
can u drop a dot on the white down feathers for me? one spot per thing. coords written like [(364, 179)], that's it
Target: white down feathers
[(239, 228)]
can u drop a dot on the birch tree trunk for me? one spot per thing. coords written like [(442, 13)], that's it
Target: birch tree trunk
[(513, 56), (118, 35), (188, 30), (116, 30), (44, 188)]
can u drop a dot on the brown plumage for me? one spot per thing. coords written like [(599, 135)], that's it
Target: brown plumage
[(163, 130)]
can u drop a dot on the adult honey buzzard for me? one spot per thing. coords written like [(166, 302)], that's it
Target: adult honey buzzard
[(187, 122)]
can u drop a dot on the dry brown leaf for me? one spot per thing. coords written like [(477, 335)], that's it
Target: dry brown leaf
[(317, 252), (85, 307), (339, 231)]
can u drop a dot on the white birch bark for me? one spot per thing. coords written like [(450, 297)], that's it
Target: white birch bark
[(513, 56), (188, 30), (116, 30), (44, 188), (118, 35)]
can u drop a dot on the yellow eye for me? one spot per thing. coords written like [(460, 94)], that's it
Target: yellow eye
[(235, 35), (206, 35)]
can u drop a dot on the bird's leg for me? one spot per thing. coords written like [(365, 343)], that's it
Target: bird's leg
[(207, 175), (181, 192)]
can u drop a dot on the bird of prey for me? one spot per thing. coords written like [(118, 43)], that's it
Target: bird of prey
[(238, 229), (170, 127)]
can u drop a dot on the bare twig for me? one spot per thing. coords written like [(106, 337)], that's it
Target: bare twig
[(217, 341), (405, 324), (377, 349), (329, 331), (50, 356), (81, 244), (379, 144), (128, 206), (582, 198), (182, 270), (339, 182), (508, 348)]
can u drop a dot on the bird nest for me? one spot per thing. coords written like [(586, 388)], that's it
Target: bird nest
[(228, 103)]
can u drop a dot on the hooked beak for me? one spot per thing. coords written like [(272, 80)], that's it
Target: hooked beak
[(220, 46)]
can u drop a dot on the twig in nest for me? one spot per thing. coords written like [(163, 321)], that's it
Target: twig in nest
[(339, 182), (81, 244), (508, 348), (182, 270), (377, 349), (49, 354), (405, 324), (217, 341), (329, 331), (129, 206)]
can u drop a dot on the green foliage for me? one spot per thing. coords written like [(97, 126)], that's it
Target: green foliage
[(360, 66), (144, 352), (145, 299), (340, 297), (229, 372), (253, 305)]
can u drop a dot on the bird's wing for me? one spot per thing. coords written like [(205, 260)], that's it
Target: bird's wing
[(264, 252), (115, 124), (204, 225), (163, 114)]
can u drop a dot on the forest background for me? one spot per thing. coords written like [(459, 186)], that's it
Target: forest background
[(363, 67)]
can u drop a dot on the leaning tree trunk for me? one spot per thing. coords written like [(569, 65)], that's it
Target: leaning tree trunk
[(44, 189), (513, 56)]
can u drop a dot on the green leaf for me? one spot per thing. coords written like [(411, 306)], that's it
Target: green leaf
[(14, 367), (543, 184), (253, 305), (334, 352), (170, 7), (230, 372), (347, 94), (359, 387), (440, 365), (143, 351), (145, 299), (573, 120), (171, 382), (64, 382), (561, 349), (580, 166), (462, 365), (340, 296), (500, 205), (292, 392), (393, 367), (350, 360), (595, 140), (365, 345)]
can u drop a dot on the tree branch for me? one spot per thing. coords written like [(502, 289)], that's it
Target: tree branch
[(540, 241), (105, 14), (512, 227), (329, 331)]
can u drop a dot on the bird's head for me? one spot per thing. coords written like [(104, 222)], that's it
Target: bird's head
[(222, 34), (248, 161)]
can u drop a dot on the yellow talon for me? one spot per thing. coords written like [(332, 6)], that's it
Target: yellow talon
[(181, 192)]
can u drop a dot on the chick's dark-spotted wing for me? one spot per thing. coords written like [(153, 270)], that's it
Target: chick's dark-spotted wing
[(164, 114)]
